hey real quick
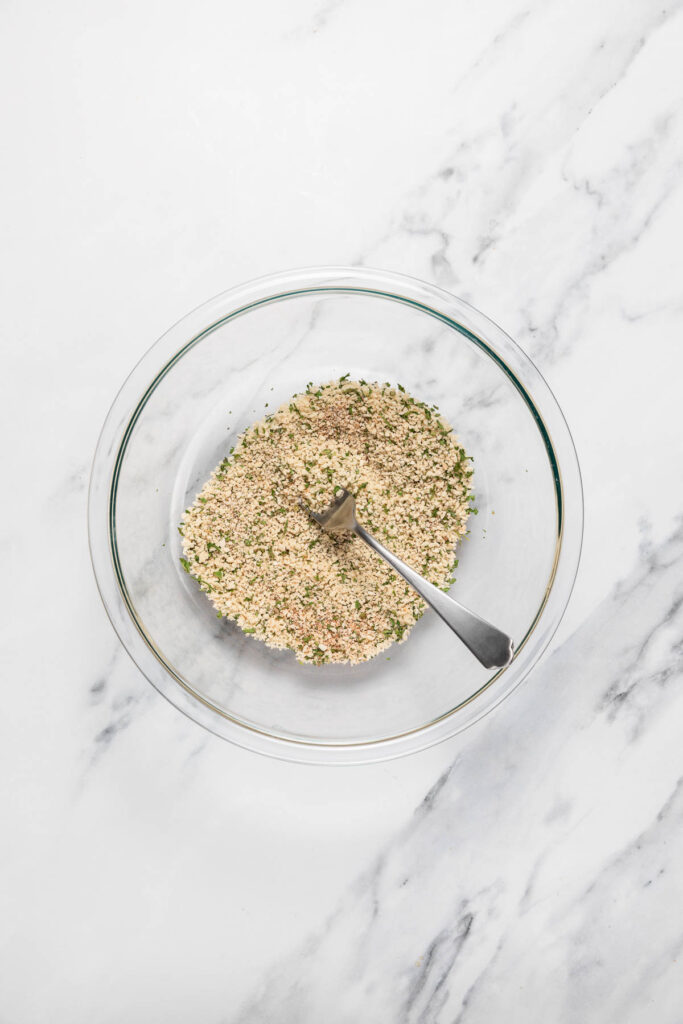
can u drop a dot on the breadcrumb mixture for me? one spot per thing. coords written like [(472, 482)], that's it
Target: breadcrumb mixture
[(265, 564)]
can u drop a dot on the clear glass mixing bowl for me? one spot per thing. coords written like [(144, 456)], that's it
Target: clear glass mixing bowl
[(204, 381)]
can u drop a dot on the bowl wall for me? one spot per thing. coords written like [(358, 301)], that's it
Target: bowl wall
[(235, 360)]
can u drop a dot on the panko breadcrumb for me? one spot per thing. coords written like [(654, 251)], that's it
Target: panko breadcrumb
[(328, 597)]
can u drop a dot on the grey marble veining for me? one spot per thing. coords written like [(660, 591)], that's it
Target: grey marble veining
[(486, 889)]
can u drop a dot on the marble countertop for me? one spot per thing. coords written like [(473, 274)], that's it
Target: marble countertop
[(528, 158)]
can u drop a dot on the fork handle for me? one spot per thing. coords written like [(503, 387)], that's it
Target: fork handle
[(489, 645)]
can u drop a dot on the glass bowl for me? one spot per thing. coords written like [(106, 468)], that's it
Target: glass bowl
[(207, 379)]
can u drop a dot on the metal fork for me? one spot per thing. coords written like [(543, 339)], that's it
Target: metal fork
[(493, 648)]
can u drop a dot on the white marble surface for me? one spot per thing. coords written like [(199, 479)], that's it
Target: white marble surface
[(526, 156)]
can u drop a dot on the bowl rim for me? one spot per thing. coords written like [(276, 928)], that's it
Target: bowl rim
[(187, 332)]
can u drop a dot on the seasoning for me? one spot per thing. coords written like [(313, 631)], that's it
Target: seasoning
[(328, 597)]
